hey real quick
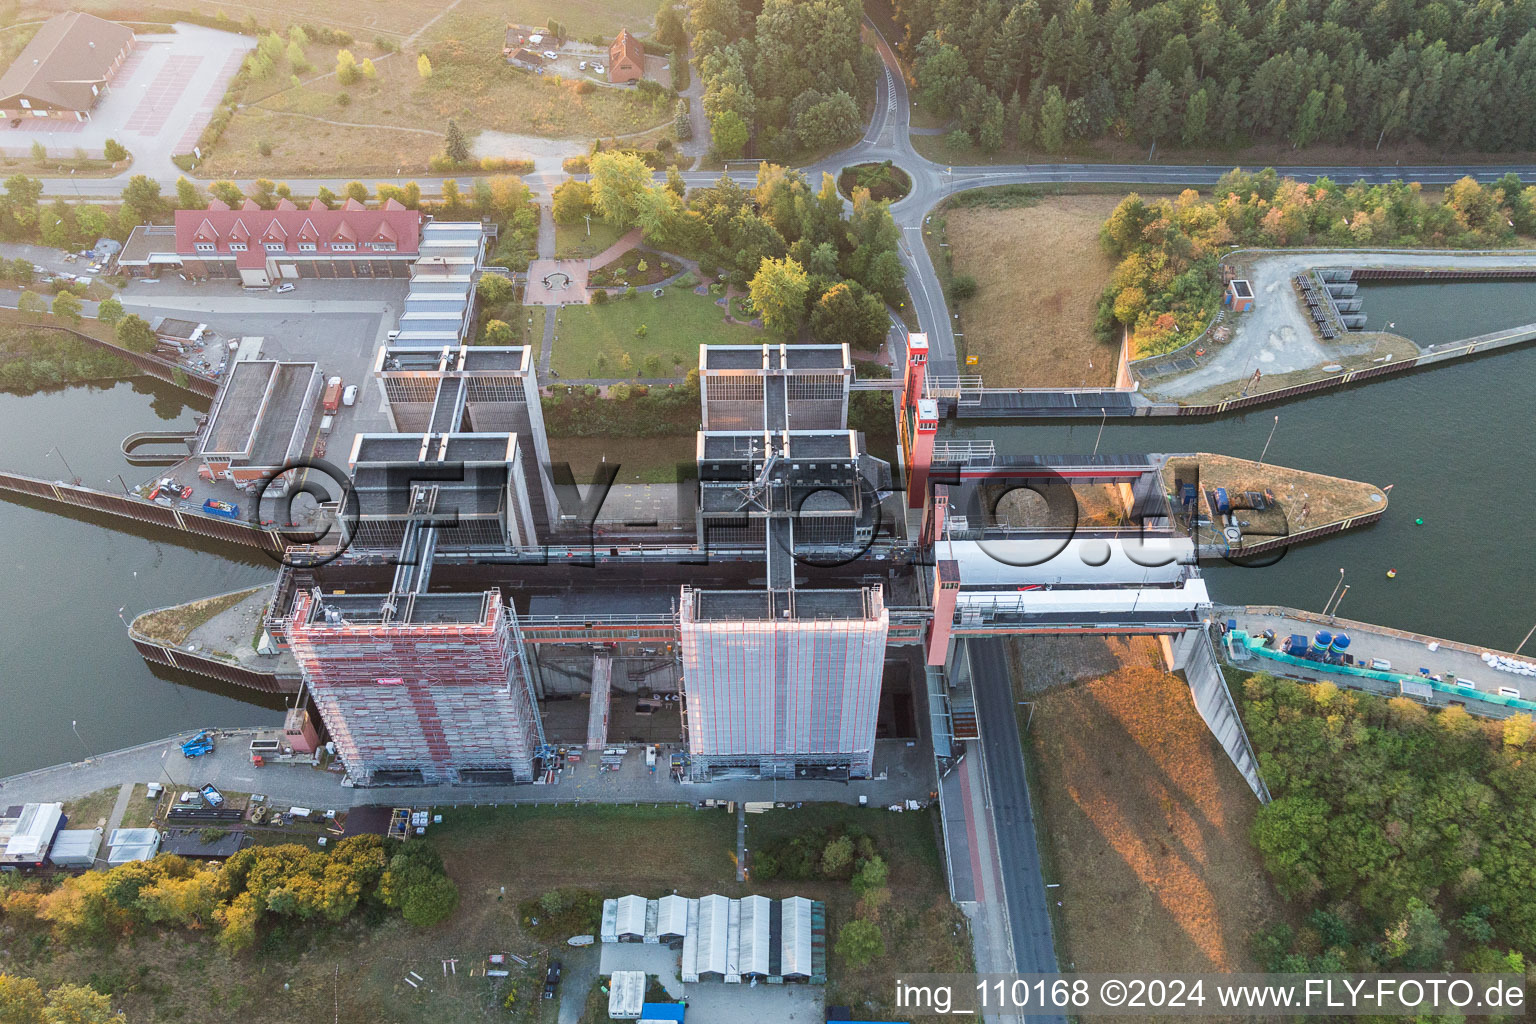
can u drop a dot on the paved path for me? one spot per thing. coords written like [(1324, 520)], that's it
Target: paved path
[(229, 768), (628, 241), (697, 146), (119, 808)]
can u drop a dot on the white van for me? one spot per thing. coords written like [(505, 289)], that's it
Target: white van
[(1506, 691)]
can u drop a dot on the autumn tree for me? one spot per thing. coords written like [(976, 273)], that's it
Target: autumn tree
[(778, 292)]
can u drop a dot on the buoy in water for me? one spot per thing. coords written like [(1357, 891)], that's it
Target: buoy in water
[(1391, 574), (1418, 522)]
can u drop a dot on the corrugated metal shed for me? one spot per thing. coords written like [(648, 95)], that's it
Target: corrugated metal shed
[(630, 923), (671, 918), (795, 939), (756, 943), (33, 832), (713, 937), (130, 844), (75, 847), (626, 995), (609, 932)]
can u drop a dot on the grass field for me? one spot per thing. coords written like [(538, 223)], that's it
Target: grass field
[(365, 19), (173, 625), (395, 121), (1039, 272), (573, 243), (676, 325), (1143, 820), (92, 808)]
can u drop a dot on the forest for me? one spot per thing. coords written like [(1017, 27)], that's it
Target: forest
[(1167, 285), (1400, 835), (1457, 75), (791, 78)]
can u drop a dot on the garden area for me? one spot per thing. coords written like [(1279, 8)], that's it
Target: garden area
[(885, 182), (574, 242), (642, 336)]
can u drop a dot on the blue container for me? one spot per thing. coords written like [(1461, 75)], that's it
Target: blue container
[(1340, 643), (1320, 641)]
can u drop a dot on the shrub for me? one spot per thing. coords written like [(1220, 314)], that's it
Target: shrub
[(344, 99), (600, 297), (114, 150), (962, 287), (688, 280), (415, 883), (264, 147)]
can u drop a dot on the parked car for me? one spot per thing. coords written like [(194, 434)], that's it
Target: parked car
[(349, 396), (551, 55), (597, 68), (332, 398), (582, 66), (286, 286), (552, 979)]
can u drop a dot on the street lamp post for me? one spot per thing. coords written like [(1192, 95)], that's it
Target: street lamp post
[(55, 451), (76, 727), (1267, 440), (1339, 583)]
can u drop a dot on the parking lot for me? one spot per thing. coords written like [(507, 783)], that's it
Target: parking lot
[(157, 106)]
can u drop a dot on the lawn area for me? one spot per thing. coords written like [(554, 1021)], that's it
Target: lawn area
[(1143, 820), (1039, 271), (140, 812), (95, 807), (573, 243), (676, 325)]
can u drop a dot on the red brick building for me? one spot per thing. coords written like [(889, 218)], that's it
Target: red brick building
[(626, 58)]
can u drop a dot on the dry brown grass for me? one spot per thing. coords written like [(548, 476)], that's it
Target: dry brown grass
[(1039, 270), (173, 625), (1146, 820), (92, 809), (1303, 500)]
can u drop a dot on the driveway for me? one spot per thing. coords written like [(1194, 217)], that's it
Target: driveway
[(158, 105)]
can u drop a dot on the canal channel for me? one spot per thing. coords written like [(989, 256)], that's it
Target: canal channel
[(1453, 441), (64, 655)]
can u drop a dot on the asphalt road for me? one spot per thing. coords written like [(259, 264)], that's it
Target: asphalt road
[(1012, 816)]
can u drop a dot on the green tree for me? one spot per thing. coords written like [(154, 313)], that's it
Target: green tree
[(297, 59), (1197, 113), (188, 196), (837, 857), (66, 307), (1154, 108), (572, 201), (1053, 121), (20, 199), (859, 942), (424, 66), (494, 290), (415, 884), (455, 145), (367, 69), (134, 334), (91, 222), (729, 133), (79, 1004), (21, 1000), (496, 332), (264, 192), (31, 302), (682, 126), (228, 193), (778, 292), (357, 191), (872, 874), (846, 313), (346, 67), (141, 199), (109, 311), (619, 180), (114, 151)]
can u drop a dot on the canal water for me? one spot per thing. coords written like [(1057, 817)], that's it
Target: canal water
[(64, 653), (1455, 443), (1433, 314)]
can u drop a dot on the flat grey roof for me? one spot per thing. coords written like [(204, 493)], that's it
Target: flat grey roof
[(427, 609), (275, 433), (753, 605), (239, 408)]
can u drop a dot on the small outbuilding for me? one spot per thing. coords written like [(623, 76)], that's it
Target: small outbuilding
[(27, 832), (75, 848), (65, 69), (1240, 295), (125, 845), (626, 995), (629, 924), (626, 58), (671, 918)]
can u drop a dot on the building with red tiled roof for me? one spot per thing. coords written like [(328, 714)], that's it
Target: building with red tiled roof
[(626, 58), (261, 247)]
